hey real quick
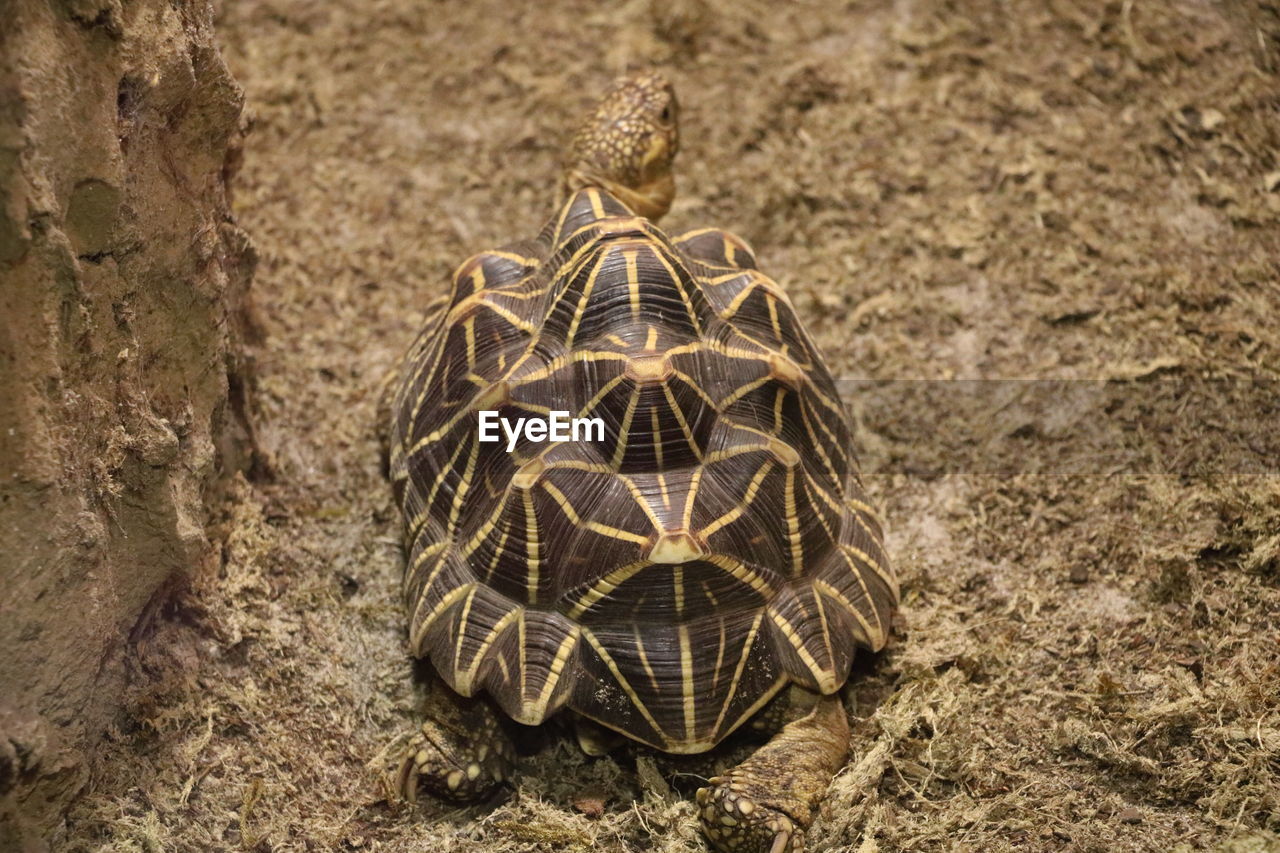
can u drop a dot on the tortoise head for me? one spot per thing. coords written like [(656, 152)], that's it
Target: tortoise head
[(627, 145)]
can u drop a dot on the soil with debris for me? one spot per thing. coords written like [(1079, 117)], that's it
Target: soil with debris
[(1087, 655)]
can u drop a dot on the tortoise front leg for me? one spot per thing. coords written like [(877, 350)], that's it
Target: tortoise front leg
[(766, 803), (461, 752)]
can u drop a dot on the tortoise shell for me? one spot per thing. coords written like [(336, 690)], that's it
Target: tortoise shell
[(667, 580)]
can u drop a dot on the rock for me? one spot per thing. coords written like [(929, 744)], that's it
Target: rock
[(123, 304)]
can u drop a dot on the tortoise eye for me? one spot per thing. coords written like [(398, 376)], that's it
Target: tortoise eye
[(666, 114)]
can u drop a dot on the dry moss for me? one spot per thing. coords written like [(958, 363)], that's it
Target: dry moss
[(1086, 658)]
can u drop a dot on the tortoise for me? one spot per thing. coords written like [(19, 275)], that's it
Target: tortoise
[(710, 549)]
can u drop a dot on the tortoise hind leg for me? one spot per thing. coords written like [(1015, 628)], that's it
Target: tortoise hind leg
[(460, 753), (766, 803)]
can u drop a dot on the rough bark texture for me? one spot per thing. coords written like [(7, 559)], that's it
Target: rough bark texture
[(123, 287)]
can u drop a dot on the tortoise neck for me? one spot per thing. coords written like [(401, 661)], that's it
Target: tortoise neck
[(651, 200)]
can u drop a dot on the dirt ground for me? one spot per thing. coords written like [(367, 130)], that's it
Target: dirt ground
[(1086, 657)]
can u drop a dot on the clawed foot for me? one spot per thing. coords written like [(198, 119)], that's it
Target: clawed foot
[(451, 768), (766, 803), (735, 823)]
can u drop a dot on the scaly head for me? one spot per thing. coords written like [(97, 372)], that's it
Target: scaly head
[(627, 145)]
